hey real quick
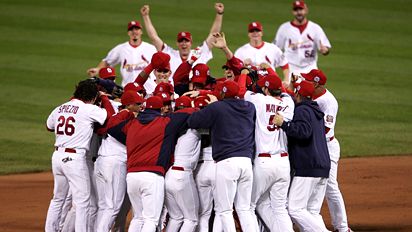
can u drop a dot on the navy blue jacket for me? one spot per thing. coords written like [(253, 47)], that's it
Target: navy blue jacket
[(232, 124), (309, 156)]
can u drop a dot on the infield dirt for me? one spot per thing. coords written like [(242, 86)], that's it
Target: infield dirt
[(377, 193)]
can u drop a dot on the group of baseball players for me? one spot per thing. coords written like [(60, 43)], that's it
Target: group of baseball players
[(189, 152)]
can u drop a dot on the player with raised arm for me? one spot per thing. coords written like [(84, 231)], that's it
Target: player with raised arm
[(301, 39), (133, 56), (184, 39)]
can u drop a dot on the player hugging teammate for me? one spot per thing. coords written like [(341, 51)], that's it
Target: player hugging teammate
[(189, 152)]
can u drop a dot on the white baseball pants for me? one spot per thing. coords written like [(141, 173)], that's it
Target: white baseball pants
[(69, 170), (234, 180), (306, 196), (205, 178), (333, 195), (146, 193), (110, 175), (182, 201), (271, 179)]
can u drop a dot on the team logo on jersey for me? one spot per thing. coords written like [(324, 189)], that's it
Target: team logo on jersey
[(267, 84), (316, 79), (329, 118), (224, 89)]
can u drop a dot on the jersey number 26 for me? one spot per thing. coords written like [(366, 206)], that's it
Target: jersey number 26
[(65, 126)]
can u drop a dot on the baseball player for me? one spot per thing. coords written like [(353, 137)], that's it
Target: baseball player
[(258, 51), (110, 166), (329, 106), (184, 40), (72, 123), (133, 56), (309, 160), (271, 170), (150, 140), (300, 40), (182, 200), (232, 128)]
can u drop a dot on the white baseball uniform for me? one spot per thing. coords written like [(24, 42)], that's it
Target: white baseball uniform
[(182, 199), (271, 169), (72, 123), (176, 60), (267, 53), (301, 48), (110, 171), (205, 177), (132, 60), (329, 105)]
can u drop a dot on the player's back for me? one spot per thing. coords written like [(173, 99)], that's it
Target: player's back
[(73, 123), (268, 137)]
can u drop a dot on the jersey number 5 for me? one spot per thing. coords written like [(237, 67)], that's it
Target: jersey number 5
[(65, 126), (272, 126)]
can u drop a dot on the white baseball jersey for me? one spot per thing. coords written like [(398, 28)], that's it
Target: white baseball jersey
[(176, 60), (268, 137), (329, 106), (132, 60), (268, 53), (301, 48), (187, 149), (72, 123)]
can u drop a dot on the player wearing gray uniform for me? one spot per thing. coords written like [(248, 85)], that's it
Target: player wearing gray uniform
[(182, 200)]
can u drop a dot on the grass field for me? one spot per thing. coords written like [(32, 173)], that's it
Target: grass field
[(46, 47)]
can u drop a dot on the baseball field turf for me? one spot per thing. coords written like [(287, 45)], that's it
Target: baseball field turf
[(46, 47)]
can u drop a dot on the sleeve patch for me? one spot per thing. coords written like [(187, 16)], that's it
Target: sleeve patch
[(329, 118)]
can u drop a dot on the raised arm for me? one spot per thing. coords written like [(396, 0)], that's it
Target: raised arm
[(92, 72), (150, 29), (217, 24)]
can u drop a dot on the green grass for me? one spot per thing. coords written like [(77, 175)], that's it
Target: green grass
[(46, 47)]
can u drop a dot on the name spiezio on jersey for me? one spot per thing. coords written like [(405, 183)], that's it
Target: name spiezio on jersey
[(329, 106), (268, 53), (72, 123), (268, 137), (301, 48), (132, 60)]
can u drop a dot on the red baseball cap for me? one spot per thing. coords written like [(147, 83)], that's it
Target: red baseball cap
[(315, 75), (166, 100), (255, 26), (184, 101), (164, 88), (200, 73), (272, 82), (133, 86), (184, 35), (107, 73), (131, 97), (201, 102), (306, 89), (132, 24), (154, 102), (230, 88), (299, 4)]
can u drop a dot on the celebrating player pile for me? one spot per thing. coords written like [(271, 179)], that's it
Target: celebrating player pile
[(190, 152)]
